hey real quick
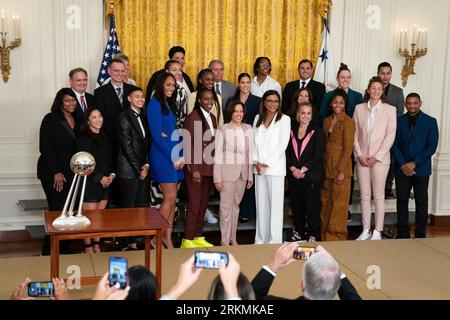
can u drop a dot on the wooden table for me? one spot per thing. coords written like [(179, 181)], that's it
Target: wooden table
[(111, 223)]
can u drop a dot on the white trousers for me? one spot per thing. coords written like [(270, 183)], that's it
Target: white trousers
[(269, 192)]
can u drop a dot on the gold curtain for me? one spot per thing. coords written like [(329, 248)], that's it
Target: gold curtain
[(236, 31)]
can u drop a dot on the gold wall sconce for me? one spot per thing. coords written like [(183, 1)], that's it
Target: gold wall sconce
[(418, 49), (5, 48)]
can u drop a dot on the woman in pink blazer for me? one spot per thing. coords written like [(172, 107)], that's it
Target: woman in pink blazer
[(233, 168), (376, 123)]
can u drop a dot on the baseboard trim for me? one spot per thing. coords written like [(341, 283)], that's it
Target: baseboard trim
[(440, 221)]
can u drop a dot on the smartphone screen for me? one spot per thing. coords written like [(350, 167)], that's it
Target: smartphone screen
[(40, 289), (210, 260), (118, 270), (303, 253)]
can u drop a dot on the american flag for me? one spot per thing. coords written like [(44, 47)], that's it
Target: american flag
[(112, 48)]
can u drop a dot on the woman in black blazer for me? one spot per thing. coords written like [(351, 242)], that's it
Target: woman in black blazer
[(57, 145), (132, 162), (97, 143), (304, 159)]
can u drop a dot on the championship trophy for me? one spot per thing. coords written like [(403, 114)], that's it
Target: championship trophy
[(82, 164)]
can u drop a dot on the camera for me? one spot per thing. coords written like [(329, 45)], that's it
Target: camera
[(118, 271), (303, 253), (41, 289), (210, 260)]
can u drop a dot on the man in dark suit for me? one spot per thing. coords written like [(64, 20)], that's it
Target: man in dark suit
[(78, 81), (415, 143), (111, 98), (176, 53), (223, 88), (305, 70), (395, 98), (321, 276)]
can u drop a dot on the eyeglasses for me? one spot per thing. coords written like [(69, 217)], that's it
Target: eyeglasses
[(266, 66), (273, 101)]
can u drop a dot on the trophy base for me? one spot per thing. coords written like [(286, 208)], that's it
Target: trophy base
[(71, 222)]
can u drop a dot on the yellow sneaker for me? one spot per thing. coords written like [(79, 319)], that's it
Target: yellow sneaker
[(201, 242), (186, 244)]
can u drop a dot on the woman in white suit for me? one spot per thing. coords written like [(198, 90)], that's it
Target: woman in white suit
[(376, 123), (271, 131)]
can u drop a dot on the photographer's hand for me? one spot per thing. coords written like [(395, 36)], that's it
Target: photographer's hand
[(283, 256), (105, 292), (18, 292), (187, 276), (61, 291), (229, 276)]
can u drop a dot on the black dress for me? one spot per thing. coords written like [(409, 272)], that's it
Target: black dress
[(99, 146)]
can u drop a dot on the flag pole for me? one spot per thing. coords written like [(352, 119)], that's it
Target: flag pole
[(109, 10)]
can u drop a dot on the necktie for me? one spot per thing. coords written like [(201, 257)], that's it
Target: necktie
[(218, 89), (120, 95), (303, 84), (83, 104)]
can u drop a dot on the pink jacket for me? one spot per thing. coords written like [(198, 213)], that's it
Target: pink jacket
[(383, 132), (229, 165)]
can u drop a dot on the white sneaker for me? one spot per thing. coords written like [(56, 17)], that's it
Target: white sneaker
[(376, 235), (365, 235), (210, 218)]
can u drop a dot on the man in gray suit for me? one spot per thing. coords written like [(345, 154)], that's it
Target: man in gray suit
[(395, 98), (222, 87)]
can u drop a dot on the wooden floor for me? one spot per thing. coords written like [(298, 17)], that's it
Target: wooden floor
[(20, 243)]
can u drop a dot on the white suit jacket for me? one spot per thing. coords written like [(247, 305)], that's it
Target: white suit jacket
[(271, 147)]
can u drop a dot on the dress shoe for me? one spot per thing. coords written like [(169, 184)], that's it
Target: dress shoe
[(388, 194), (201, 242), (365, 235), (376, 235), (243, 220), (186, 244)]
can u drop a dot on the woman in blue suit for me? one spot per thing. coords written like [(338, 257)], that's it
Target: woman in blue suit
[(166, 166)]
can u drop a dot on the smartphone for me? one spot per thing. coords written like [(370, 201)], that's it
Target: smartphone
[(303, 253), (118, 271), (210, 260), (41, 289)]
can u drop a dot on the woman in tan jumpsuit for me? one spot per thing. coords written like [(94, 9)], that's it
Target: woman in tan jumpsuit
[(340, 134)]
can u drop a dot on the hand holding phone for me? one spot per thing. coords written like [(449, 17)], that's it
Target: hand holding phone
[(118, 272), (304, 253), (210, 260), (41, 289)]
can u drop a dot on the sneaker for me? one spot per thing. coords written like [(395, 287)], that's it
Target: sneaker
[(210, 218), (295, 237), (312, 239), (186, 244), (376, 235), (365, 235), (201, 242)]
